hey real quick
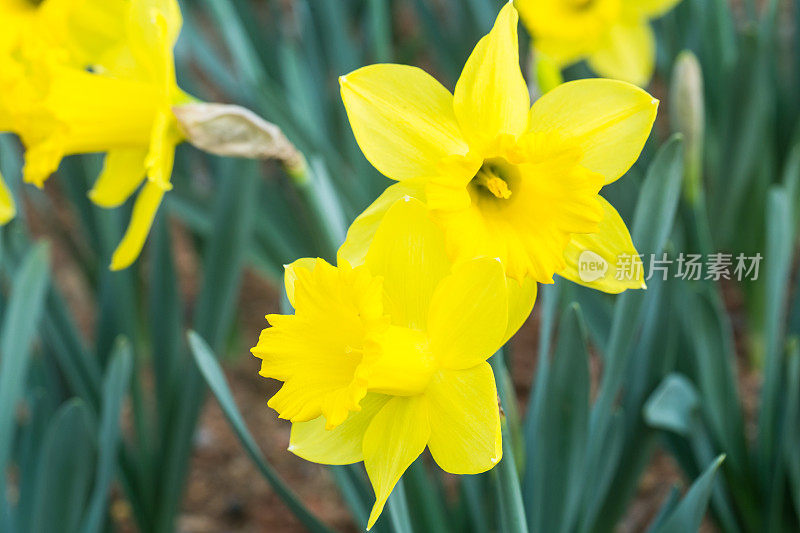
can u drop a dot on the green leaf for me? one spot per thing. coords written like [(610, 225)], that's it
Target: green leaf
[(653, 221), (549, 296), (779, 253), (353, 492), (325, 208), (423, 496), (398, 509), (555, 478), (599, 479), (673, 405), (508, 493), (20, 324), (115, 388), (212, 372), (63, 342), (791, 182), (476, 499), (706, 326), (380, 23), (666, 509), (791, 425), (165, 320), (224, 254), (41, 408), (688, 515), (65, 471), (658, 198)]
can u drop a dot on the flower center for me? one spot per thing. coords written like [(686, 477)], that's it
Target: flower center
[(496, 178)]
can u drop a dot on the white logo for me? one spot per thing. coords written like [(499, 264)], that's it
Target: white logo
[(591, 266)]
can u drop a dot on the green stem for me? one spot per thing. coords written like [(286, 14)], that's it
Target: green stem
[(398, 509), (508, 491)]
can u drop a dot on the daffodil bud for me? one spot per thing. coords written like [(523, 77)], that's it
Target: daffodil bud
[(687, 114), (234, 131)]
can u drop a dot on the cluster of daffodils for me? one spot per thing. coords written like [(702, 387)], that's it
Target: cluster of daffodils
[(613, 35), (385, 354), (86, 76)]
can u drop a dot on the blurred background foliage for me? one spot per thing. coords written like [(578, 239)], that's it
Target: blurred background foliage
[(706, 372)]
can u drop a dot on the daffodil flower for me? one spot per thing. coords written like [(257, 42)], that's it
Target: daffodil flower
[(120, 105), (504, 179), (386, 358), (613, 35)]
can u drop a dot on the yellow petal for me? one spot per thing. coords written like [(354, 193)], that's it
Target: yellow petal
[(627, 54), (317, 352), (123, 172), (606, 260), (521, 297), (290, 274), (491, 96), (363, 228), (153, 27), (408, 251), (161, 153), (649, 8), (396, 436), (341, 445), (402, 119), (609, 120), (8, 209), (465, 420), (144, 211), (41, 160), (469, 314)]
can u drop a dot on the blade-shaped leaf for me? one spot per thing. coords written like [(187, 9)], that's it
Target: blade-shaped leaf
[(115, 388), (554, 478), (20, 323), (65, 471), (779, 251), (672, 405), (215, 379), (688, 515)]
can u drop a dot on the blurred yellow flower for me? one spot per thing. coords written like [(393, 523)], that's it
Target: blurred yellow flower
[(613, 35), (103, 82), (502, 178), (383, 359)]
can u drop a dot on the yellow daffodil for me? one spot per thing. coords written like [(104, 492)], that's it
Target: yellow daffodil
[(121, 104), (386, 358), (504, 179), (613, 35)]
